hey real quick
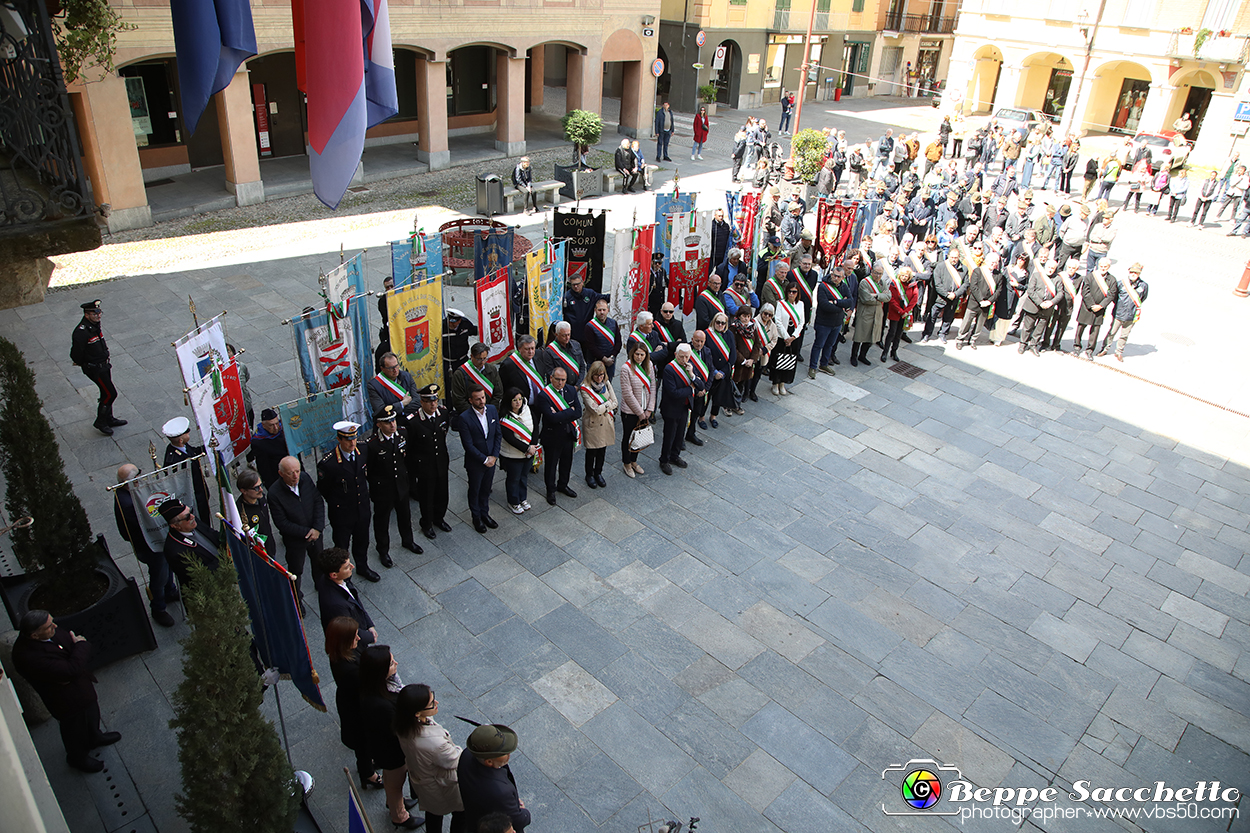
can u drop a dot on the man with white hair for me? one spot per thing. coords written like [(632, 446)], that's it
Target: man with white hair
[(563, 352), (626, 166), (1099, 290), (680, 381)]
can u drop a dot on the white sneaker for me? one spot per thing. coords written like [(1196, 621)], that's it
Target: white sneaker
[(525, 504), (516, 510), (700, 156)]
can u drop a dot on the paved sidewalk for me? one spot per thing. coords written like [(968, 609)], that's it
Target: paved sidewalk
[(1033, 569)]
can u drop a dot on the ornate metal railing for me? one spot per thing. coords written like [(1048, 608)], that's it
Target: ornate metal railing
[(41, 178), (896, 21)]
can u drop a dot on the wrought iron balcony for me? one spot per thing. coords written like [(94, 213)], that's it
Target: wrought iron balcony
[(918, 23), (41, 178)]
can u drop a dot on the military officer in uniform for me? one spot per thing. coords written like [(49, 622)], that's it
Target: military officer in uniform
[(89, 351), (187, 541), (178, 432), (341, 480), (428, 461), (388, 482)]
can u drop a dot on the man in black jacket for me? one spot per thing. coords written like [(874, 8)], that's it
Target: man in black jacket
[(523, 181), (161, 587), (187, 541), (831, 306), (486, 782), (269, 446), (54, 662), (299, 513), (89, 351), (561, 407), (178, 432), (337, 595), (627, 166), (388, 483), (428, 461)]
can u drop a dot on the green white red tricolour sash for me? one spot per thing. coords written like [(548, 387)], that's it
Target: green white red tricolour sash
[(517, 427), (701, 366), (720, 343), (527, 369), (479, 377), (603, 330), (393, 387), (566, 357), (556, 398), (641, 377), (716, 302)]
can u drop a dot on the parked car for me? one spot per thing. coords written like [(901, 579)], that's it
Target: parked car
[(1020, 120), (1166, 147)]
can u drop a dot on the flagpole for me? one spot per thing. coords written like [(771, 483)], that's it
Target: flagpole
[(364, 815), (153, 473)]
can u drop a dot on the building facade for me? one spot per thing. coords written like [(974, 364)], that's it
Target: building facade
[(1119, 66), (912, 46), (462, 66)]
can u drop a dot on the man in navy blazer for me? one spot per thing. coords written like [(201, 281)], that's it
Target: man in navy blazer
[(337, 595), (479, 434), (561, 407)]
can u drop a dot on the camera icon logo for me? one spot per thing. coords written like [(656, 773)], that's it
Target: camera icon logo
[(920, 785)]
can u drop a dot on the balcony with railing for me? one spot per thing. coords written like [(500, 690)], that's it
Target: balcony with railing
[(919, 23), (1230, 49)]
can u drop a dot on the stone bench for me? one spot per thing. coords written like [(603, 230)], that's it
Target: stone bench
[(612, 179), (547, 191)]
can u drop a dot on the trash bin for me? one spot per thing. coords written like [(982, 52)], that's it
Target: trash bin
[(489, 194)]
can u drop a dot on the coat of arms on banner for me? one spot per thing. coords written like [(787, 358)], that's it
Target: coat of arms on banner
[(416, 333)]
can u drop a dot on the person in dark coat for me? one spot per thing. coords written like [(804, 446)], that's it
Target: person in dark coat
[(456, 333), (676, 396), (658, 293), (299, 513), (337, 595), (722, 237), (161, 589), (377, 719), (187, 541), (269, 446), (579, 304), (253, 507), (626, 166), (561, 407), (601, 340), (486, 782), (475, 373), (523, 181), (1099, 290), (342, 481), (481, 440), (89, 351), (178, 432), (724, 357), (342, 647), (388, 483), (391, 386), (564, 352), (54, 662), (429, 462)]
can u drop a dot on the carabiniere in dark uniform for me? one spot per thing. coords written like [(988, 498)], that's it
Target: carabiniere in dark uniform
[(90, 352), (388, 483), (342, 481), (428, 460)]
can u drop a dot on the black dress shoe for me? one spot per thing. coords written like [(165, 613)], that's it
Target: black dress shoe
[(162, 618), (86, 763), (443, 525), (410, 823), (551, 498), (666, 468), (106, 739), (603, 484), (370, 784), (117, 423), (108, 432), (906, 338), (590, 481), (565, 490), (694, 440), (490, 522), (385, 559), (412, 546), (678, 462), (834, 360), (368, 573), (428, 532), (479, 526), (753, 397)]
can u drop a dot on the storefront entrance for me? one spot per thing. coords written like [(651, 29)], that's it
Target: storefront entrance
[(1129, 106), (1057, 92)]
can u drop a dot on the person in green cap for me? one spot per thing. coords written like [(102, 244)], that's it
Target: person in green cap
[(486, 782)]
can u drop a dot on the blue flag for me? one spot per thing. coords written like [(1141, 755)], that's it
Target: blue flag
[(274, 612), (666, 204), (492, 251), (309, 423), (427, 262), (212, 37), (357, 818)]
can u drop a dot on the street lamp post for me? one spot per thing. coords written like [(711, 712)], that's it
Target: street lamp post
[(1088, 33), (798, 107)]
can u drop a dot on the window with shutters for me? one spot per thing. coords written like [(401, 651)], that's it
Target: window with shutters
[(1138, 14), (1219, 14)]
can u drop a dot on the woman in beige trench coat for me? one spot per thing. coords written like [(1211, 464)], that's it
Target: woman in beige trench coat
[(431, 756)]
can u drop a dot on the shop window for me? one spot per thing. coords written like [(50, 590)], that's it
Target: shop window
[(406, 84), (776, 60), (153, 103)]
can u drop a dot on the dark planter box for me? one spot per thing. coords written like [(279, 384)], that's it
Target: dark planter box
[(590, 183), (117, 625)]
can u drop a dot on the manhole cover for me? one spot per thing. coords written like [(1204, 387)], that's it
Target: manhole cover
[(908, 370), (1183, 341), (359, 189)]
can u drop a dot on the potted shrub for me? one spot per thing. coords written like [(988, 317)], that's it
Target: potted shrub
[(707, 94), (807, 148), (86, 33), (235, 775), (67, 573), (582, 129)]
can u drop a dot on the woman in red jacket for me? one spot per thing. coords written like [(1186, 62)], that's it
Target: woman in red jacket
[(903, 296), (700, 133)]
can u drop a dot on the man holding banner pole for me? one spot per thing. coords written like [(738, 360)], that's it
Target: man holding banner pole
[(161, 589)]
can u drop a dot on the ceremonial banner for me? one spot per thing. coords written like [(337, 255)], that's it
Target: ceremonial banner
[(309, 423), (835, 227), (217, 403), (586, 235), (200, 350), (865, 217), (666, 204), (557, 259), (492, 251), (416, 326), (538, 290), (494, 319), (631, 274), (690, 257), (273, 610), (746, 221), (333, 354), (345, 281), (149, 491)]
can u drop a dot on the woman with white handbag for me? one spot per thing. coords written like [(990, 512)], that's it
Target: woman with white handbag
[(637, 406), (599, 409)]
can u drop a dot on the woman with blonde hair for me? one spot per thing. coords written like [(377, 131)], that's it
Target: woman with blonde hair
[(599, 408)]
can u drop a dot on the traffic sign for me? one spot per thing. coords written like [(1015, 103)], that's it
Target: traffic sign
[(718, 63), (1243, 111), (700, 38), (657, 67)]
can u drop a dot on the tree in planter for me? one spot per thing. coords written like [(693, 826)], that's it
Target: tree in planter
[(235, 775), (58, 543), (808, 149), (583, 129), (707, 93)]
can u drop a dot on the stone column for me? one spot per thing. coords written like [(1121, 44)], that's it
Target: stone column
[(634, 90), (432, 113), (510, 105), (574, 69), (110, 153), (538, 65), (237, 123), (1008, 86), (585, 82)]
